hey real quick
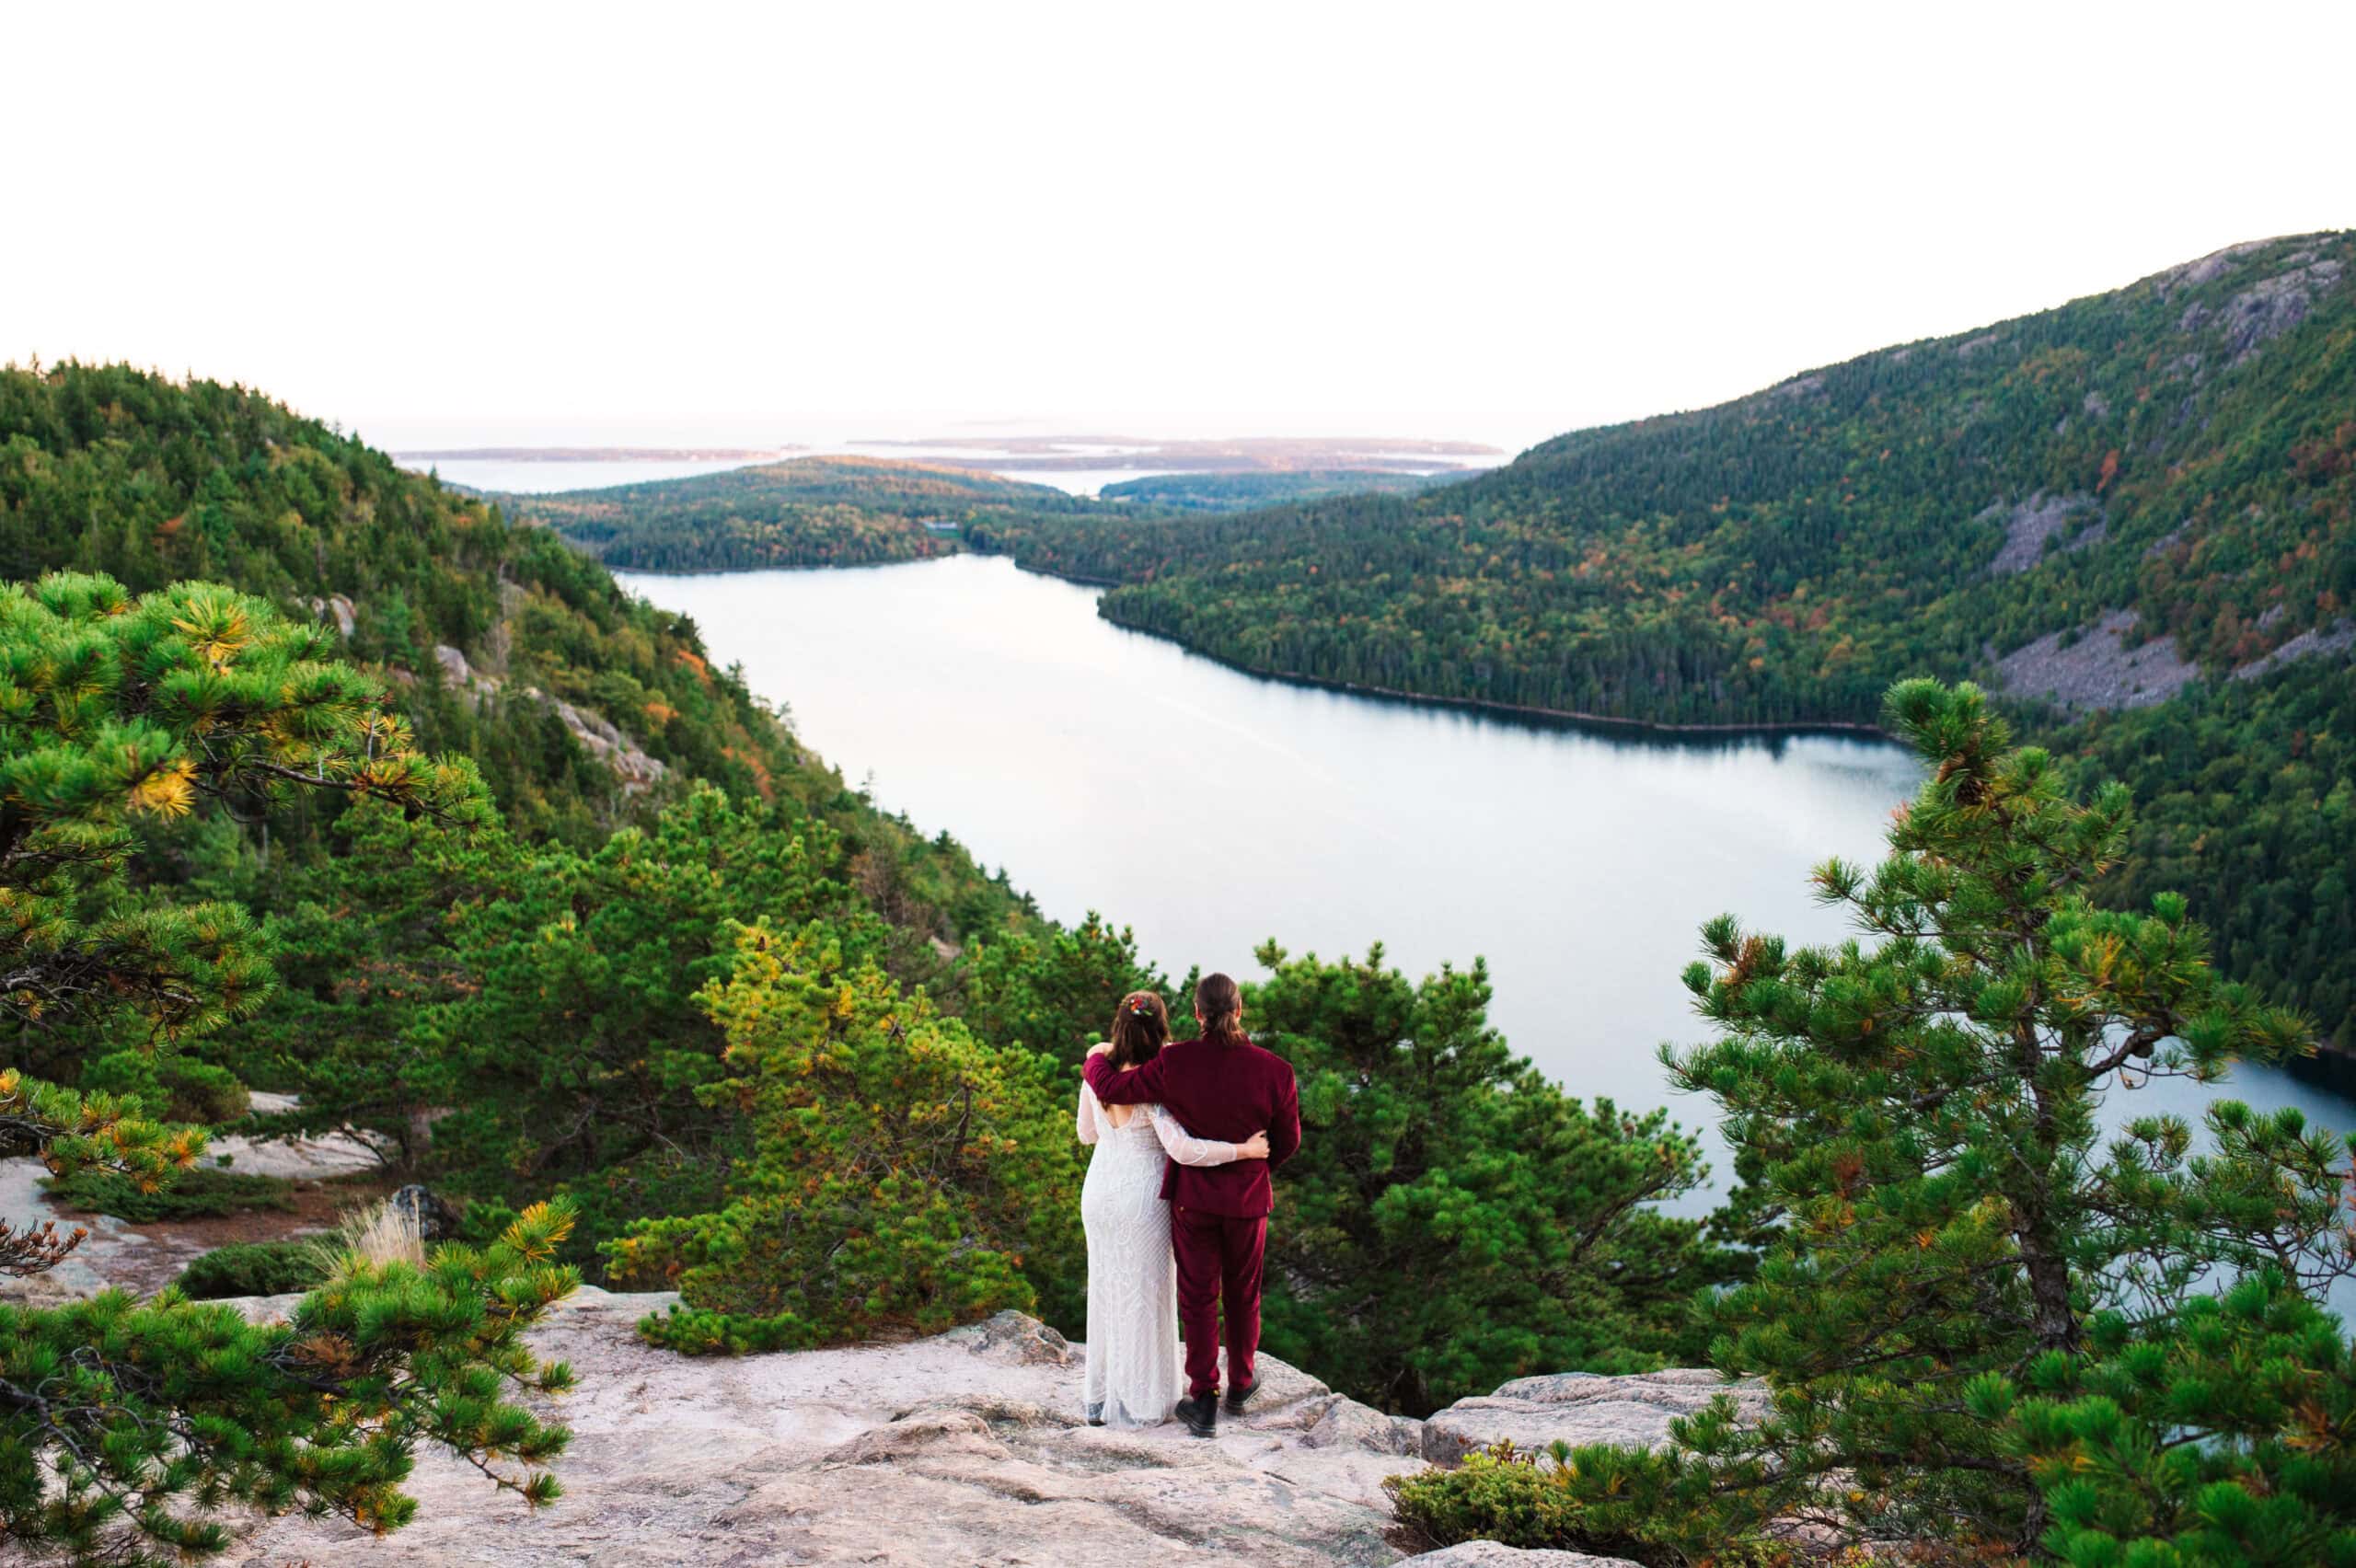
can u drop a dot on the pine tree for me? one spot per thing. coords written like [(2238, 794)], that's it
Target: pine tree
[(1978, 1329), (904, 1176), (113, 709), (1917, 1117), (577, 1033), (1453, 1220), (367, 943), (126, 1427), (1051, 989)]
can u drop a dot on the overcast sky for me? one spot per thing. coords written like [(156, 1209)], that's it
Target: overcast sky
[(670, 221)]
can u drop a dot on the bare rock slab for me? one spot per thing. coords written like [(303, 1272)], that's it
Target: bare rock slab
[(968, 1448), (1579, 1408), (1489, 1554)]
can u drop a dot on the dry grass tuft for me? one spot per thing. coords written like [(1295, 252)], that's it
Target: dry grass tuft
[(373, 1236)]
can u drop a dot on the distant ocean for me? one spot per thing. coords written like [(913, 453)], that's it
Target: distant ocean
[(540, 478)]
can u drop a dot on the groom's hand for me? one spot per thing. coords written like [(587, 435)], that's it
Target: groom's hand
[(1103, 1047)]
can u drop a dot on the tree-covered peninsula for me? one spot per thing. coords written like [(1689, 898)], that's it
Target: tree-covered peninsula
[(803, 511)]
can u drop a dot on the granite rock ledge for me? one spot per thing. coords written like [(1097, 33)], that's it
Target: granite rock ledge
[(966, 1449)]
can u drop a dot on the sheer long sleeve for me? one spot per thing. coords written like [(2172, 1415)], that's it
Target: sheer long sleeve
[(1136, 1086), (1087, 1115), (1186, 1149)]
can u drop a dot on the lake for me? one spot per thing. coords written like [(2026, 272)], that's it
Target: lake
[(1209, 810)]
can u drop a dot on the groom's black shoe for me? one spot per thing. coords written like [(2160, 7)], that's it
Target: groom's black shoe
[(1200, 1413), (1236, 1397)]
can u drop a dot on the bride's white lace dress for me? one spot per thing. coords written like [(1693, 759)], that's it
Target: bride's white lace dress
[(1134, 1376)]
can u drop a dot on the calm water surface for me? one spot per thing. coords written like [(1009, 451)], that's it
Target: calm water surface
[(1210, 810)]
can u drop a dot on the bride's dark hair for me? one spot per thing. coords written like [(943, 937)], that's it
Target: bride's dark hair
[(1141, 1029)]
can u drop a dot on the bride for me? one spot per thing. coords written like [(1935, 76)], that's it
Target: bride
[(1133, 1376)]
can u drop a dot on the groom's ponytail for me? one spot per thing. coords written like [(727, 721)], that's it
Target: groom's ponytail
[(1218, 1002)]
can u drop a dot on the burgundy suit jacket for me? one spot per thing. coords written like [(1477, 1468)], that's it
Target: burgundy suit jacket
[(1217, 1091)]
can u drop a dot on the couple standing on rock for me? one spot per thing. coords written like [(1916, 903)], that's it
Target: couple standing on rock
[(1177, 1219)]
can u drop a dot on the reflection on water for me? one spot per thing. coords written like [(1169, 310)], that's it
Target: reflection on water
[(1210, 810)]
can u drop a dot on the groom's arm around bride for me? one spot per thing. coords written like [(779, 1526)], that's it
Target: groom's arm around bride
[(1218, 1086)]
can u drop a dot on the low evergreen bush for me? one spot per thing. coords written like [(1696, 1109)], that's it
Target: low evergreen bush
[(254, 1268), (1602, 1499), (205, 1191), (171, 1088)]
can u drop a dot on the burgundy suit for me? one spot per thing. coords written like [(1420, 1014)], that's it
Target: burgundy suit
[(1218, 1214)]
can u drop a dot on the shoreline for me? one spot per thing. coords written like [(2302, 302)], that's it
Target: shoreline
[(1474, 704)]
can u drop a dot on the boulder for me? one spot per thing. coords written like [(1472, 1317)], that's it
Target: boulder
[(1490, 1554), (435, 1218), (338, 608), (1344, 1422), (1016, 1339), (600, 737), (2272, 307), (1579, 1408)]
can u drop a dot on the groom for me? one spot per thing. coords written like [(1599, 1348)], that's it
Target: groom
[(1220, 1086)]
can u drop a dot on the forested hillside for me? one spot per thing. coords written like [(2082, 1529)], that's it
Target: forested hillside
[(1240, 492), (583, 707), (2180, 449), (2138, 495), (805, 511)]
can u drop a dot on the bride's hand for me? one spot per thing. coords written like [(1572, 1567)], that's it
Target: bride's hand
[(1101, 1048), (1253, 1147)]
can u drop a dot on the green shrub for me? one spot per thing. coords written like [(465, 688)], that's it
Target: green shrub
[(903, 1176), (202, 1092), (1610, 1500), (173, 1088), (122, 1073), (254, 1268), (205, 1192)]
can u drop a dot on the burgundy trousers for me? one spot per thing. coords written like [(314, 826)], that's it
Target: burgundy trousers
[(1218, 1257)]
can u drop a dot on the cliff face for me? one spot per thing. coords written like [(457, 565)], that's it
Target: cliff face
[(968, 1448)]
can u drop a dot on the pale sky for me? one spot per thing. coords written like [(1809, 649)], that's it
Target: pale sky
[(670, 221)]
